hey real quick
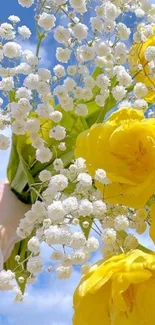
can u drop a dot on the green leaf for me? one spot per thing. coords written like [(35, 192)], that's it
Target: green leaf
[(66, 158), (74, 125), (20, 180), (97, 71), (13, 160), (151, 201), (22, 157), (12, 96), (96, 114), (87, 230), (93, 112), (18, 170), (23, 170), (70, 188), (25, 274), (109, 104)]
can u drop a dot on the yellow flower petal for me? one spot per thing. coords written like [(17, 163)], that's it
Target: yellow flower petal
[(124, 146), (137, 57), (126, 114), (152, 227), (120, 291)]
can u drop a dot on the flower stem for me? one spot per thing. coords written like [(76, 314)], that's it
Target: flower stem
[(40, 38)]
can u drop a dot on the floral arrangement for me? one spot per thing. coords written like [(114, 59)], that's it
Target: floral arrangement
[(83, 152)]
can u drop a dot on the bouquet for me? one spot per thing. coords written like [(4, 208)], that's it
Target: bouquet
[(83, 151)]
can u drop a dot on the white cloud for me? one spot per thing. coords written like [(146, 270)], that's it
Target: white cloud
[(44, 62), (50, 305)]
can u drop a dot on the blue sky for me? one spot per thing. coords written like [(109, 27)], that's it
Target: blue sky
[(49, 301)]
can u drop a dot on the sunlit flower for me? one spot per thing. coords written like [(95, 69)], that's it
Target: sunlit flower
[(123, 146), (113, 292)]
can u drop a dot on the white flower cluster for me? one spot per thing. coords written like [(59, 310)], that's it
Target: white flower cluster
[(69, 83), (61, 220), (8, 282)]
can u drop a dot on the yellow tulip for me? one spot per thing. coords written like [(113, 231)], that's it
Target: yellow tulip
[(120, 291), (124, 146), (137, 57)]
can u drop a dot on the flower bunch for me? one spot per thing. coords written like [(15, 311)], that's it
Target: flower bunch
[(89, 178), (68, 209)]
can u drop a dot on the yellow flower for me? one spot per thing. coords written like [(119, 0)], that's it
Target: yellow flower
[(137, 57), (120, 291), (124, 146), (152, 226)]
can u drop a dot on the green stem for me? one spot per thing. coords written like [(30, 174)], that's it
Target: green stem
[(145, 249), (65, 12), (109, 104), (96, 231), (21, 263), (97, 227), (40, 38), (41, 7)]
